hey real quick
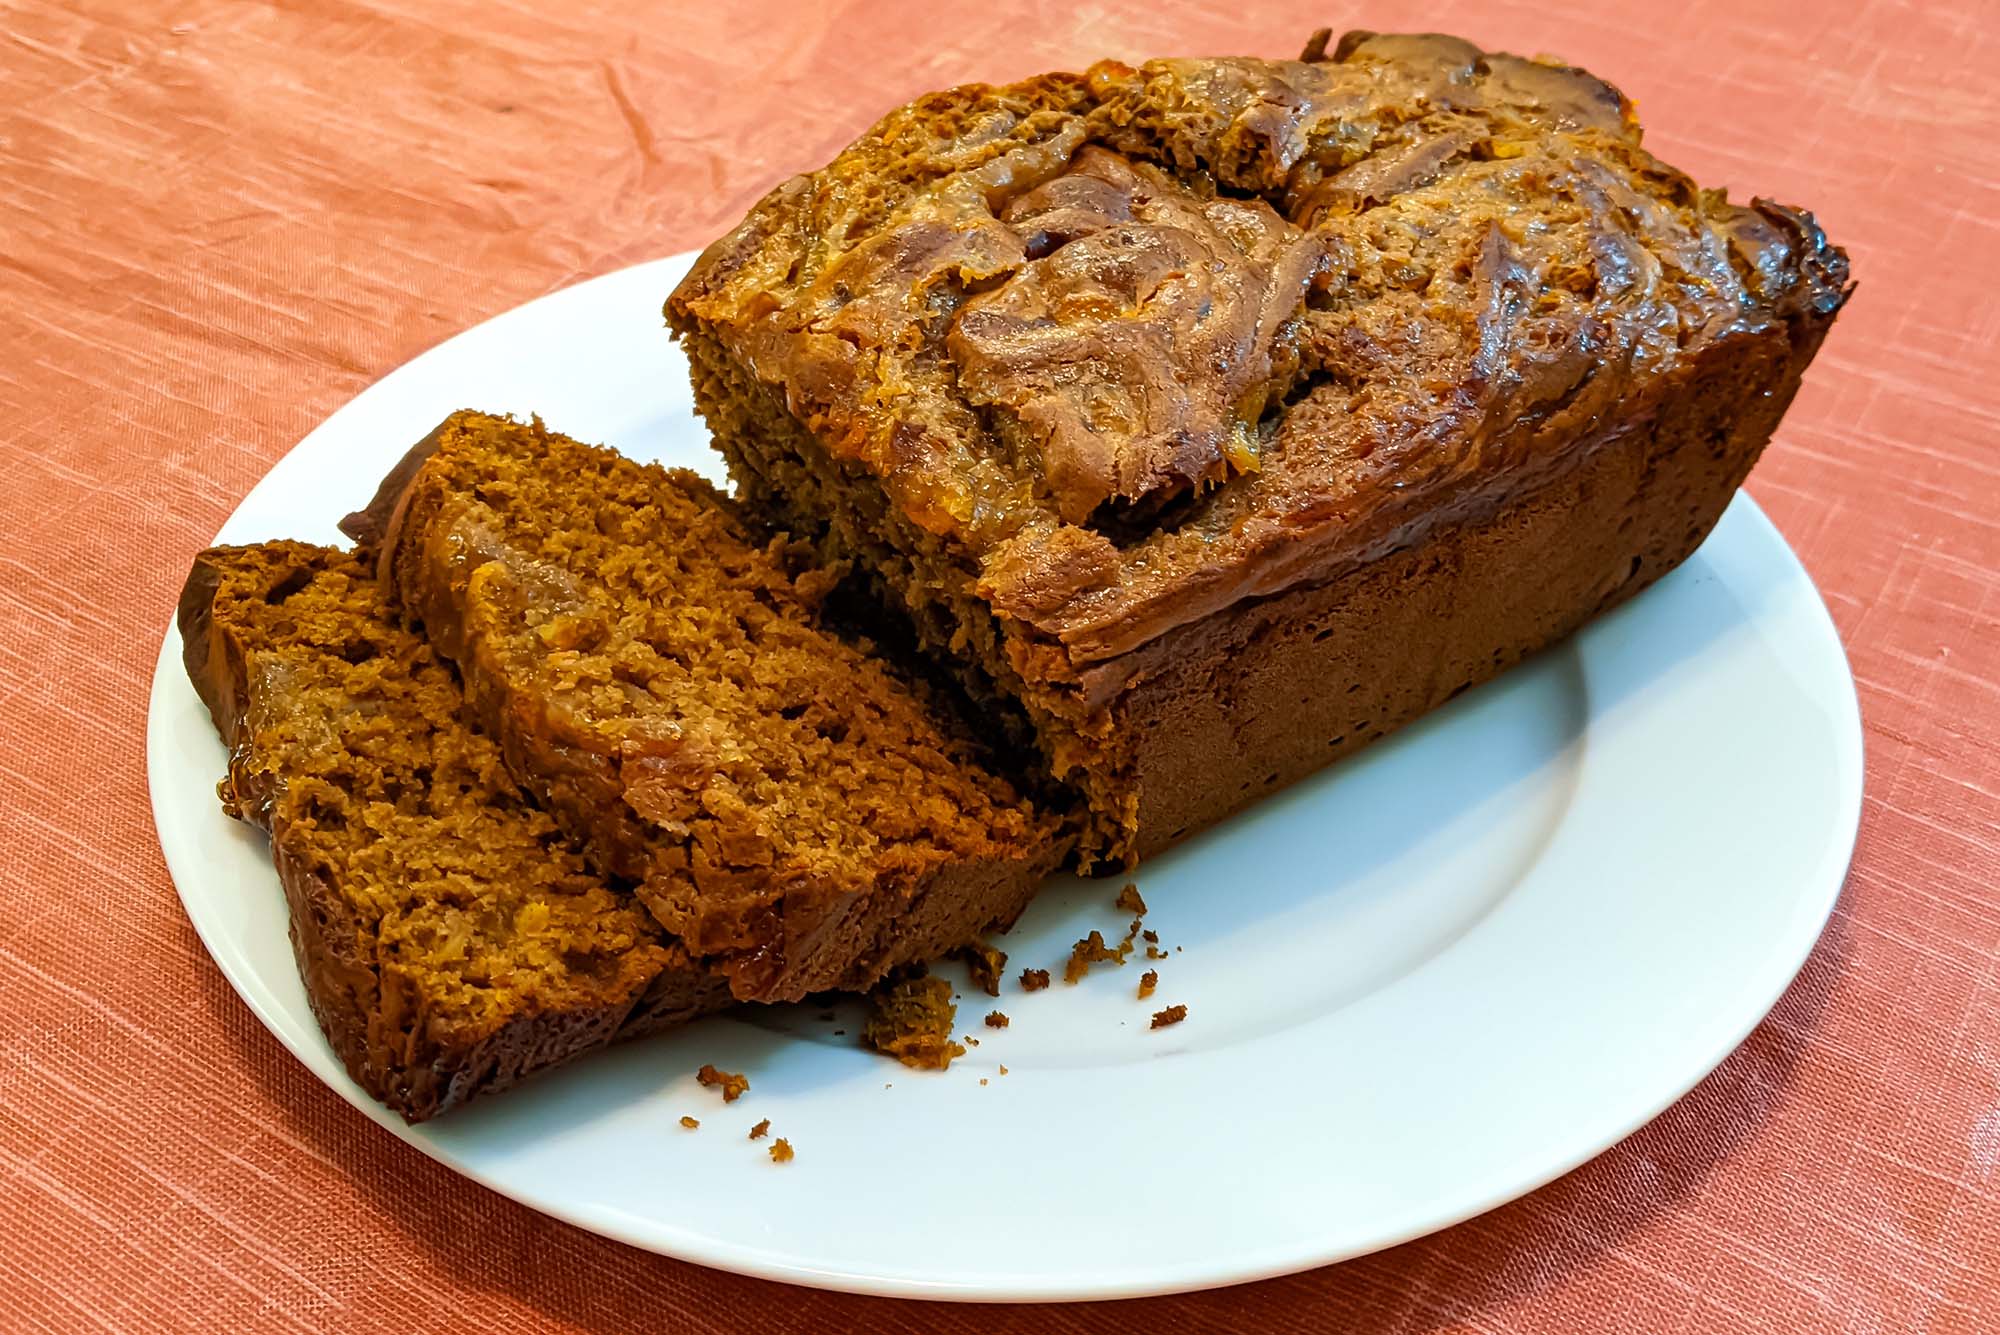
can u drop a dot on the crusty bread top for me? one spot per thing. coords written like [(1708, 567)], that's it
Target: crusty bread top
[(1140, 343)]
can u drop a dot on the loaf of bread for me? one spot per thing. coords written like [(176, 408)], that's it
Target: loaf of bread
[(1214, 417), (799, 813), (450, 940)]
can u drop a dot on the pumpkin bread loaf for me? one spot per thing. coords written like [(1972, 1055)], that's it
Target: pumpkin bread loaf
[(1216, 416)]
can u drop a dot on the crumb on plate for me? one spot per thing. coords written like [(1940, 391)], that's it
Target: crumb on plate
[(733, 1086), (986, 965), (1091, 950)]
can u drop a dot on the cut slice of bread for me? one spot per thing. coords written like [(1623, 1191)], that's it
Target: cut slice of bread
[(802, 814)]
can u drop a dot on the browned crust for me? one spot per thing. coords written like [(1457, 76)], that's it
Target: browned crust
[(370, 524), (371, 1019), (803, 283), (341, 987)]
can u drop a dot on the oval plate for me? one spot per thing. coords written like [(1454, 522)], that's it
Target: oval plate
[(1420, 984)]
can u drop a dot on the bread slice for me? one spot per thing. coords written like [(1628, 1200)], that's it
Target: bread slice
[(451, 942), (804, 816)]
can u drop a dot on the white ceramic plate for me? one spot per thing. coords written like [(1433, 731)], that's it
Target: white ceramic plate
[(1420, 984)]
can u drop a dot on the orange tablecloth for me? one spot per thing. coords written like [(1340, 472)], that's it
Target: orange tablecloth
[(220, 221)]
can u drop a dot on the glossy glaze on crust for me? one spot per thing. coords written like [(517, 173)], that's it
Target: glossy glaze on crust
[(1141, 344)]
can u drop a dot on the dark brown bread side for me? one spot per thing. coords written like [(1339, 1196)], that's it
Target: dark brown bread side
[(450, 945), (800, 814), (1243, 703)]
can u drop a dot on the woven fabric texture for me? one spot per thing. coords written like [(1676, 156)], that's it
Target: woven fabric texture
[(219, 221)]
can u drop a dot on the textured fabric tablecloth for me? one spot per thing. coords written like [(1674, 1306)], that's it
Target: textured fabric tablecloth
[(218, 222)]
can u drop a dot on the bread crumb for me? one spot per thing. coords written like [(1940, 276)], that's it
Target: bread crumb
[(1003, 1070), (995, 1020), (986, 965), (912, 1022), (689, 1123), (968, 1040), (1171, 1015), (733, 1087), (781, 1150), (1147, 982), (1128, 899), (1155, 953), (1091, 950), (982, 1079), (1034, 980), (1150, 937), (757, 1131)]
